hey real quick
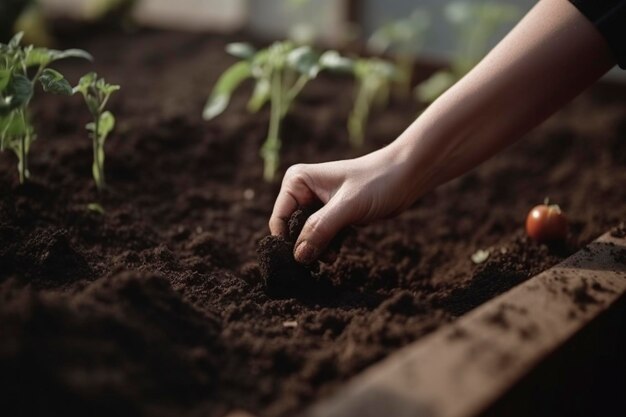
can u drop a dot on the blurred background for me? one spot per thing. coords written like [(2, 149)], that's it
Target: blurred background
[(329, 22)]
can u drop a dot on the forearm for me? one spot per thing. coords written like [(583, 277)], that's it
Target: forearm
[(551, 56)]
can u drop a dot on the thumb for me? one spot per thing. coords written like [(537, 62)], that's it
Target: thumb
[(321, 227)]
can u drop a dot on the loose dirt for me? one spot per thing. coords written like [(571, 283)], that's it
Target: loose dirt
[(159, 306)]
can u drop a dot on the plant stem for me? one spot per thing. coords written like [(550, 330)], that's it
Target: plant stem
[(22, 159), (356, 122), (271, 147), (405, 79), (98, 172), (295, 90), (23, 168)]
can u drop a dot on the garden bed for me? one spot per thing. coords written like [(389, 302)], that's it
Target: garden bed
[(157, 307)]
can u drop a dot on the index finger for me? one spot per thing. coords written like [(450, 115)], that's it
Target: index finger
[(284, 207), (294, 193)]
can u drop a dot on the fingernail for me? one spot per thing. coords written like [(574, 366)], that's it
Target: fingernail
[(305, 253)]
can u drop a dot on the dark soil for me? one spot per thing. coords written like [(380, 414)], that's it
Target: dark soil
[(280, 272), (159, 307)]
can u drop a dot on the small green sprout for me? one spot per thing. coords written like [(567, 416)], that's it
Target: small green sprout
[(475, 25), (374, 79), (21, 68), (403, 39), (96, 93), (280, 71), (96, 208)]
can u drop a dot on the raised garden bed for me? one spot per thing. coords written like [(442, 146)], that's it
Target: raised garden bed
[(565, 324), (157, 307)]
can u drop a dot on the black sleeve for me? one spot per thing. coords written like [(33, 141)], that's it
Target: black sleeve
[(609, 16)]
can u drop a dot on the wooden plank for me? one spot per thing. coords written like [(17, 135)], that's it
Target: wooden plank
[(461, 369)]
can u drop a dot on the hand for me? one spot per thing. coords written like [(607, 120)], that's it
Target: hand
[(489, 109), (355, 191)]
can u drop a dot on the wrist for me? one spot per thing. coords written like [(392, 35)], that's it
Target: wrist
[(418, 157)]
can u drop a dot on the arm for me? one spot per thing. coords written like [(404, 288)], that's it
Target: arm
[(552, 55)]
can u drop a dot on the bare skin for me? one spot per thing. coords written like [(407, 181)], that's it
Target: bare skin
[(552, 55)]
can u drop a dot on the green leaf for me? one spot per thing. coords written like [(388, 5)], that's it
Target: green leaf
[(42, 57), (435, 86), (304, 60), (54, 82), (106, 125), (375, 69), (92, 104), (5, 77), (260, 95), (85, 82), (241, 50), (21, 90), (71, 53), (332, 60), (227, 83), (108, 89), (38, 57), (12, 126), (14, 43)]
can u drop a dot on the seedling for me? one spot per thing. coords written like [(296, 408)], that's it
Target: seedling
[(21, 68), (403, 39), (474, 24), (281, 71), (96, 93), (374, 79), (96, 208)]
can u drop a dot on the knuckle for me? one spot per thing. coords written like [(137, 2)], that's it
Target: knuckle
[(296, 173)]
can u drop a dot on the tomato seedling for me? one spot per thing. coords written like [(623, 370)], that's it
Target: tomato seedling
[(474, 24), (21, 68), (374, 79), (402, 38), (96, 92), (280, 71), (546, 223)]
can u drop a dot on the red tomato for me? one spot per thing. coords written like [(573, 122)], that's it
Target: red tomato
[(546, 223)]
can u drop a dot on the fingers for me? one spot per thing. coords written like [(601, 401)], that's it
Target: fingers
[(321, 228), (286, 203), (295, 191)]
